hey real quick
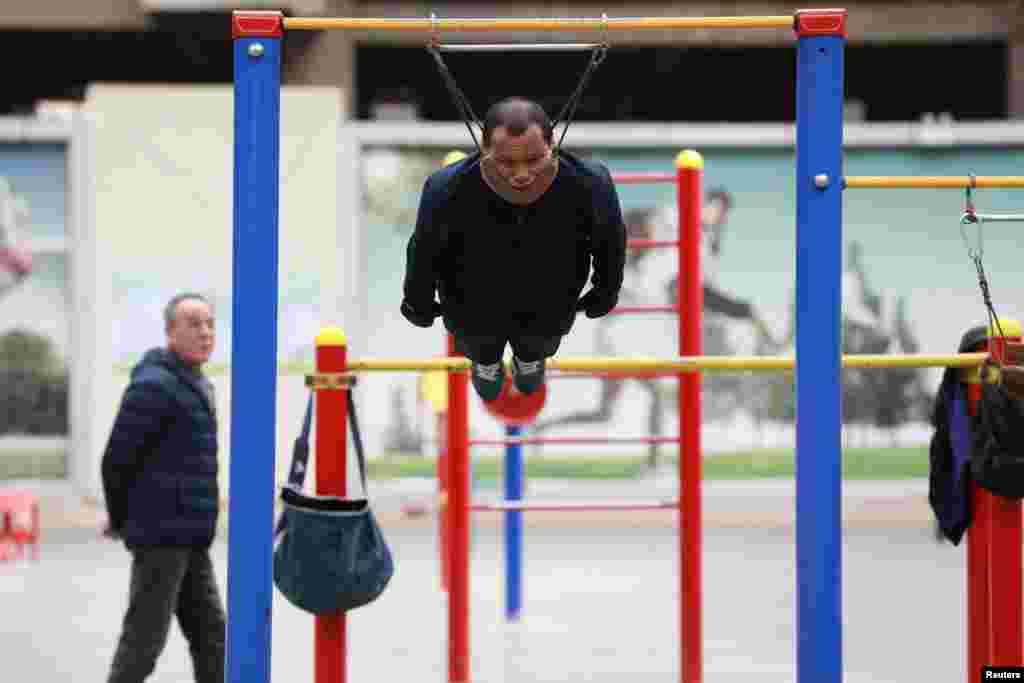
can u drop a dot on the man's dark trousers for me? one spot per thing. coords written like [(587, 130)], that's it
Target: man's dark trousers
[(171, 582), (489, 349)]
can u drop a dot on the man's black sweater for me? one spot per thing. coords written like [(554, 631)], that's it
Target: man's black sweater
[(500, 268)]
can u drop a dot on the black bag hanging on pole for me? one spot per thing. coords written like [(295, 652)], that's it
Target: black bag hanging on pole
[(331, 555), (997, 461)]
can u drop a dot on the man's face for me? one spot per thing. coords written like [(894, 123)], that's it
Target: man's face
[(714, 212), (520, 159), (191, 333), (713, 217)]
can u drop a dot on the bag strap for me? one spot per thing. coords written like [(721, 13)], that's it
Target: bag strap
[(300, 451), (357, 440), (300, 458)]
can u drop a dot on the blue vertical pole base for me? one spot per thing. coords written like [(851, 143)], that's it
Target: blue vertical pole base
[(513, 528)]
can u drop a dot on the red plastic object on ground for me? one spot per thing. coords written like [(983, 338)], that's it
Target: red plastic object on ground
[(19, 525)]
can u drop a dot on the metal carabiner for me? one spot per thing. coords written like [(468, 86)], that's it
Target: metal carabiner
[(435, 38)]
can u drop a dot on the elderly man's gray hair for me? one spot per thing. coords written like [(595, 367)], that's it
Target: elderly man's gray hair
[(171, 309)]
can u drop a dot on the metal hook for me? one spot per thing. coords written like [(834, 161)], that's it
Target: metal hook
[(435, 39), (607, 34)]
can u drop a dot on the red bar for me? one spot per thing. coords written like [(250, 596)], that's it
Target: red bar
[(820, 22), (330, 442), (651, 244), (458, 538), (256, 24), (578, 440), (623, 310), (643, 178), (690, 198), (528, 506)]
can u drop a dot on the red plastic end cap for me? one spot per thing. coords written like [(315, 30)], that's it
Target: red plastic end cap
[(514, 408), (820, 22), (256, 24)]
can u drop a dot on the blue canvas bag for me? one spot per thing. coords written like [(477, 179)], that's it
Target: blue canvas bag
[(330, 554)]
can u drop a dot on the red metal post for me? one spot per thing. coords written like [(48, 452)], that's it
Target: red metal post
[(979, 622), (331, 480), (458, 531), (690, 168), (995, 635), (443, 470), (1006, 559)]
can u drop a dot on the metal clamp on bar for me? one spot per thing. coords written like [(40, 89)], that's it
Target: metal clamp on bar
[(330, 380), (1000, 217)]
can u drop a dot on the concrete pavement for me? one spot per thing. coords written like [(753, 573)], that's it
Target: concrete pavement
[(725, 504)]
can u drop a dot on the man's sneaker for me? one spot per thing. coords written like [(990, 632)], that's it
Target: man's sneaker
[(527, 375), (487, 379)]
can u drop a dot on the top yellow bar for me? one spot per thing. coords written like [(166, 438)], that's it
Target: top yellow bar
[(934, 181), (532, 24)]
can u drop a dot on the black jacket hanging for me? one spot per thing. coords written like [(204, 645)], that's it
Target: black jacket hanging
[(949, 453)]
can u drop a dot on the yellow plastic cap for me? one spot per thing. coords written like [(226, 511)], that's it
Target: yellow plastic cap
[(690, 159), (453, 157), (331, 336), (1010, 327), (434, 390)]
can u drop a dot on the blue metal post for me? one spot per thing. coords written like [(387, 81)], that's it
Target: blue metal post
[(819, 138), (253, 345), (513, 527)]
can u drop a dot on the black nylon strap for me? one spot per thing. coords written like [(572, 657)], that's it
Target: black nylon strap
[(300, 451), (597, 56), (458, 98), (569, 110), (356, 438)]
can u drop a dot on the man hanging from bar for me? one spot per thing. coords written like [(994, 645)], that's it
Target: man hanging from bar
[(15, 260), (506, 238)]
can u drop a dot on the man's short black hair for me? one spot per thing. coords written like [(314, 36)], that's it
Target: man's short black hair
[(516, 114), (721, 194)]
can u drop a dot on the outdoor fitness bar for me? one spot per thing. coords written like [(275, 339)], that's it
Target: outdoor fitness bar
[(688, 364), (888, 181), (476, 25), (820, 40)]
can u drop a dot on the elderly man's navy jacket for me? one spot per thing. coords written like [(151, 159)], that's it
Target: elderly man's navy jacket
[(498, 267), (160, 465)]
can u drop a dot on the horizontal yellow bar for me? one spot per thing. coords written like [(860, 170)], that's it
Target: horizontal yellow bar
[(413, 365), (934, 181), (532, 24), (691, 364)]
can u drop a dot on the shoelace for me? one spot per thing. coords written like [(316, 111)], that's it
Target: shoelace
[(488, 372), (527, 366)]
